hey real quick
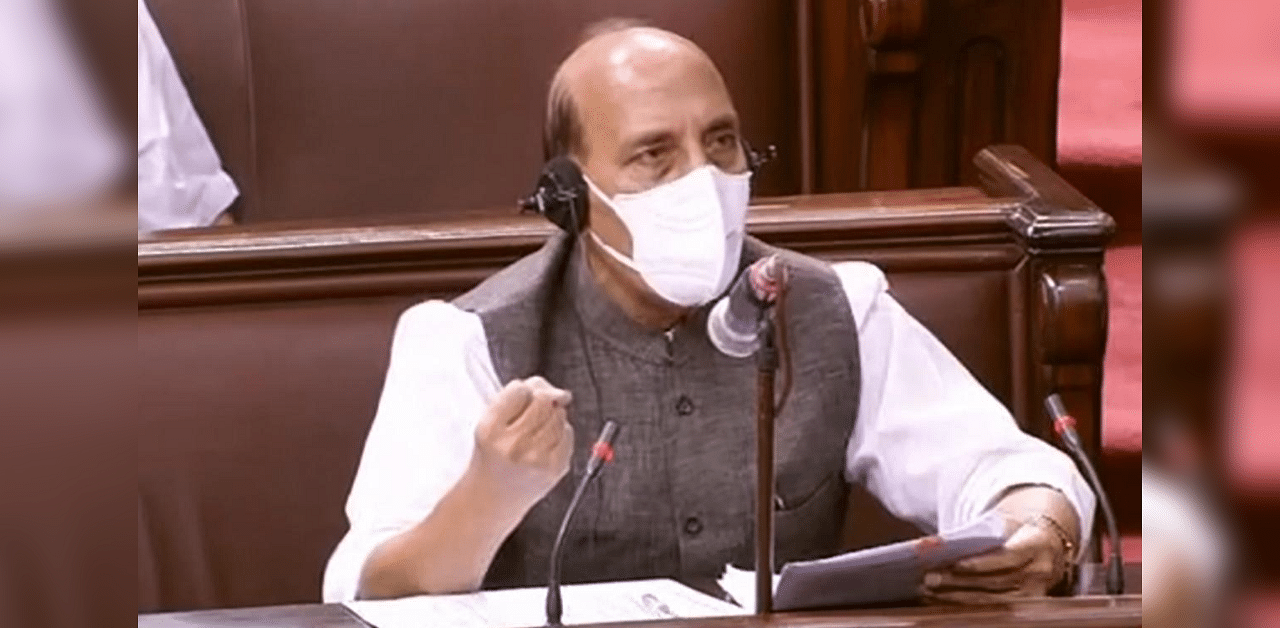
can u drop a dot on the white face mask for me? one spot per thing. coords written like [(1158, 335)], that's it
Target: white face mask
[(686, 235)]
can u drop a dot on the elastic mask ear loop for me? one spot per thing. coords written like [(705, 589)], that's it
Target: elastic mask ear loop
[(591, 185)]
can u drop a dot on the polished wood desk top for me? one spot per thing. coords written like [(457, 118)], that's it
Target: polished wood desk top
[(1097, 611)]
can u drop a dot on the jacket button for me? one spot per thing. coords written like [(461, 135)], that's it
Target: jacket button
[(693, 526), (684, 405)]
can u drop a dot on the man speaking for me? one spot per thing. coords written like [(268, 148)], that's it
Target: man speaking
[(463, 482)]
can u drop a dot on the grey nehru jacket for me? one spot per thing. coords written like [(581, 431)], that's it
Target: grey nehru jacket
[(677, 501)]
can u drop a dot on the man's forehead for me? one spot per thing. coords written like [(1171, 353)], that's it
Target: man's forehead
[(623, 74), (630, 46)]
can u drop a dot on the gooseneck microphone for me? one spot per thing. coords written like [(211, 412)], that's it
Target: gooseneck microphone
[(736, 327), (601, 454), (1065, 426), (735, 321)]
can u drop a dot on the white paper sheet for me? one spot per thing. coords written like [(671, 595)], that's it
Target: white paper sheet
[(635, 600), (888, 573), (741, 586)]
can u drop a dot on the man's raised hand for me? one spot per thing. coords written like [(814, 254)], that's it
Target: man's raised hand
[(524, 440)]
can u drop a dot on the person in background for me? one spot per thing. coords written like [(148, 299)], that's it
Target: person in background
[(181, 183), (491, 400), (59, 149)]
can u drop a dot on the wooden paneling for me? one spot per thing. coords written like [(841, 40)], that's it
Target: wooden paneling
[(908, 91), (429, 107), (1032, 236), (857, 94)]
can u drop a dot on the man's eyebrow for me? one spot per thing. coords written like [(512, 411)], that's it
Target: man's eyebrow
[(647, 139), (722, 123)]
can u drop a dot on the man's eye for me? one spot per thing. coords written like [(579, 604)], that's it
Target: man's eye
[(725, 140), (650, 156)]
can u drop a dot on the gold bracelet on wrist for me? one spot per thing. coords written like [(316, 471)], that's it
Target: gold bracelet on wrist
[(1068, 546), (1045, 522)]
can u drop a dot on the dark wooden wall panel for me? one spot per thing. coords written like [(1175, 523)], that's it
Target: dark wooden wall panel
[(908, 91), (396, 108), (403, 107), (981, 100)]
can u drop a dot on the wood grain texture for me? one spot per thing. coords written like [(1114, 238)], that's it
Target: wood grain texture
[(1025, 222), (907, 92), (857, 95)]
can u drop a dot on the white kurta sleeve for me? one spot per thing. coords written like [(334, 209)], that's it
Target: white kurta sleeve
[(439, 381), (180, 178), (930, 442), (58, 143)]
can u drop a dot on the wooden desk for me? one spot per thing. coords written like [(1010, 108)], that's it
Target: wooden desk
[(1096, 611), (1121, 611)]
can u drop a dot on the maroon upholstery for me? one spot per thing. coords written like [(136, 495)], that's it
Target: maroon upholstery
[(252, 424), (67, 433)]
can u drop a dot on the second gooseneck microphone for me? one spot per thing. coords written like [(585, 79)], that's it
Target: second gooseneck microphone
[(601, 454), (1065, 426)]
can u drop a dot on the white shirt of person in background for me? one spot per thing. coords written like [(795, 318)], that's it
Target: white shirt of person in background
[(58, 145), (181, 183)]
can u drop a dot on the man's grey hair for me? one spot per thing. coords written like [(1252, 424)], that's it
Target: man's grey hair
[(562, 127)]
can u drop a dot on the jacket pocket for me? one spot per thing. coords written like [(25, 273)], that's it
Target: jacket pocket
[(807, 524)]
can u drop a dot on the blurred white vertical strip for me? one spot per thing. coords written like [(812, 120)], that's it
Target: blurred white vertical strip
[(1186, 555), (180, 178), (58, 145)]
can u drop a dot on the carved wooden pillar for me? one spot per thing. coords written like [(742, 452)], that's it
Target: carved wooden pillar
[(839, 86), (990, 77), (1060, 292), (892, 30), (1190, 210), (1070, 313), (908, 91)]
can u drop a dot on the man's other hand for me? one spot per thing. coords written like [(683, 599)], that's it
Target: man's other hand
[(524, 441), (1031, 562)]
